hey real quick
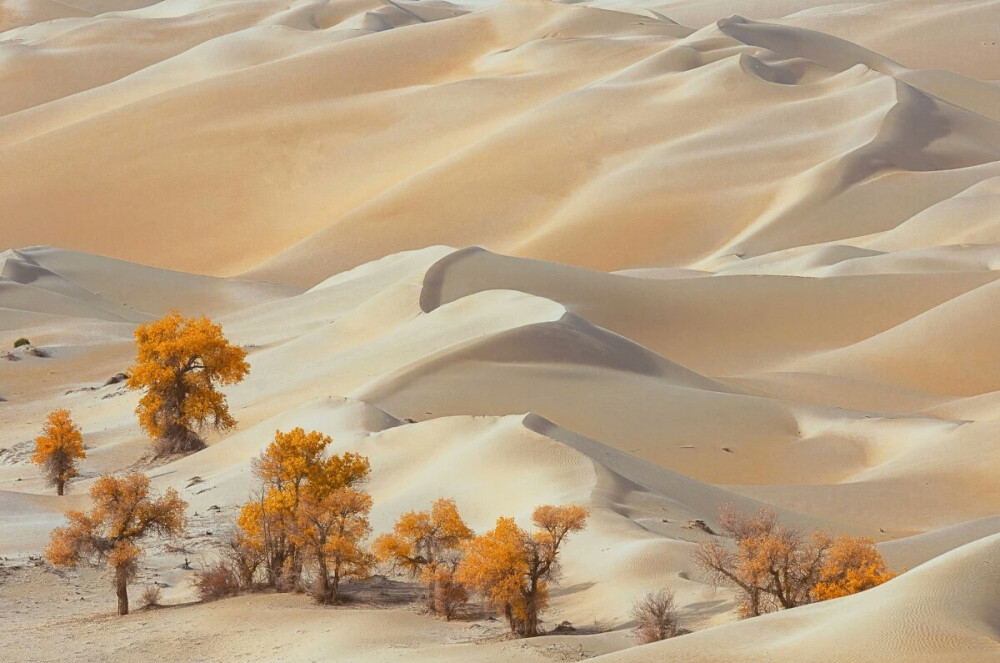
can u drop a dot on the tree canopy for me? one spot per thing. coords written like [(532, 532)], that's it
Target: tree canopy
[(512, 569), (776, 567), (180, 362), (123, 514), (58, 448)]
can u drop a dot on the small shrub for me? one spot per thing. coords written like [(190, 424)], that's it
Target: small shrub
[(216, 582), (449, 594), (21, 341), (655, 616), (151, 596), (177, 442)]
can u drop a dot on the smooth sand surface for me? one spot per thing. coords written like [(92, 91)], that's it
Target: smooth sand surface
[(651, 258)]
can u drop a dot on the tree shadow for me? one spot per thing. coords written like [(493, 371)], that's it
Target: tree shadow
[(572, 589)]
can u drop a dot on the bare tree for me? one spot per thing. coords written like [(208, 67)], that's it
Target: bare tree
[(655, 616)]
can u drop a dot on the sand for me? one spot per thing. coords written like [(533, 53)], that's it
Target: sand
[(651, 258)]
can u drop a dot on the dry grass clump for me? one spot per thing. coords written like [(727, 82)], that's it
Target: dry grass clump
[(151, 596), (217, 581)]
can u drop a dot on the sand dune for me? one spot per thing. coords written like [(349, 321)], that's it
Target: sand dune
[(651, 258), (495, 92), (943, 610), (444, 337)]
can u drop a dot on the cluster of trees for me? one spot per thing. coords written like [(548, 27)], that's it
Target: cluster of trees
[(307, 524), (309, 519), (179, 364), (773, 566), (309, 510)]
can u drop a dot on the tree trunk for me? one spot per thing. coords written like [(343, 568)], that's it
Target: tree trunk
[(60, 485), (529, 628), (508, 612), (335, 585), (324, 580), (121, 586), (431, 591)]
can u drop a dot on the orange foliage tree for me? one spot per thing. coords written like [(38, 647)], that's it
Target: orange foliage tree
[(773, 566), (58, 448), (852, 565), (330, 528), (428, 545), (511, 568), (179, 363), (305, 502), (123, 514)]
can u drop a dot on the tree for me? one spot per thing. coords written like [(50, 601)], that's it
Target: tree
[(58, 448), (423, 544), (330, 528), (655, 616), (511, 568), (852, 565), (124, 513), (179, 364), (293, 468), (773, 566)]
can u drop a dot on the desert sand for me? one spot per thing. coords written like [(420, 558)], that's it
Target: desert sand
[(651, 258)]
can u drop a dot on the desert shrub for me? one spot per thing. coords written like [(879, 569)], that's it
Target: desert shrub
[(151, 596), (655, 616), (449, 594), (21, 341), (216, 581)]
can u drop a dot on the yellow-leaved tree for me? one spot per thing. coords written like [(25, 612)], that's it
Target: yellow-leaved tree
[(852, 565), (58, 448), (180, 362), (123, 514), (330, 527), (307, 505), (428, 545), (512, 569), (775, 567)]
